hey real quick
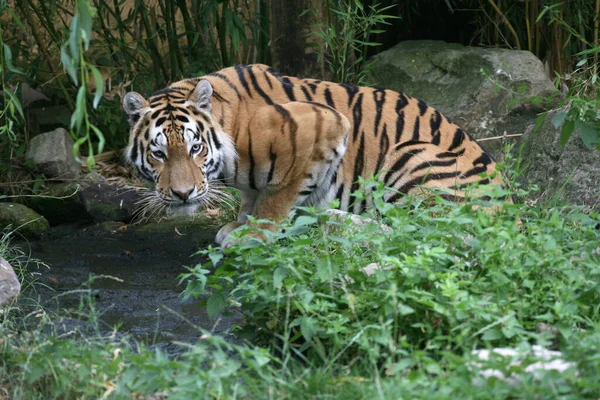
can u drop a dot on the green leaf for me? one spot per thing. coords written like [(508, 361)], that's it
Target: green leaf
[(99, 86), (559, 119), (9, 63), (68, 64), (100, 136), (566, 131), (589, 133), (74, 37), (539, 121), (279, 275), (304, 220), (84, 10), (215, 304), (14, 101), (491, 334)]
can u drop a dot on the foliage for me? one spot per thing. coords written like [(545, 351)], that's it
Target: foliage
[(346, 34), (452, 279)]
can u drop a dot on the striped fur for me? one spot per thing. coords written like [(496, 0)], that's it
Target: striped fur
[(285, 141)]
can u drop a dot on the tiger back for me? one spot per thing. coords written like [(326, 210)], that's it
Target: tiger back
[(285, 141)]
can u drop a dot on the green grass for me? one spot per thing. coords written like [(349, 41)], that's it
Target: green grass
[(454, 279)]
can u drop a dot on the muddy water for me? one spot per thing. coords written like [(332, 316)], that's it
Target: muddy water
[(145, 301)]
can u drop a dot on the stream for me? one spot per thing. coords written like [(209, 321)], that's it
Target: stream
[(145, 301)]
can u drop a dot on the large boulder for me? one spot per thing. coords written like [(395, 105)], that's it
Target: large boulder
[(9, 283), (22, 219), (570, 172), (475, 87), (52, 155)]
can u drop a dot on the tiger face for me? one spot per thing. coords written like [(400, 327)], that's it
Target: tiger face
[(176, 142)]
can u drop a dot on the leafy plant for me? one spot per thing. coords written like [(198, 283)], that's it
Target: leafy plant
[(446, 278), (345, 36)]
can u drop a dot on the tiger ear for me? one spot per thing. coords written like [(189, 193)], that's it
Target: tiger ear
[(133, 103), (202, 94)]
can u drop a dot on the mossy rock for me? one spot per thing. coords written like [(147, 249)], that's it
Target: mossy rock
[(488, 92), (22, 219)]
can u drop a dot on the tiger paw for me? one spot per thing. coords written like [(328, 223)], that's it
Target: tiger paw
[(224, 232)]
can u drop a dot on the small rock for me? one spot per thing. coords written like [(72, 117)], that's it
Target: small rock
[(357, 220), (9, 283), (22, 219), (52, 154)]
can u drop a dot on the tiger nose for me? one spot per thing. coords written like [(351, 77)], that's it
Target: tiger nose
[(182, 195)]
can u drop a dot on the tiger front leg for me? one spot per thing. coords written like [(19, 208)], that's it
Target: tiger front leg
[(287, 156), (247, 203)]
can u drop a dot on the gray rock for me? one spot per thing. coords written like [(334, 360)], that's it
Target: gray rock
[(9, 283), (105, 202), (449, 78), (22, 219), (52, 154), (91, 198), (569, 173)]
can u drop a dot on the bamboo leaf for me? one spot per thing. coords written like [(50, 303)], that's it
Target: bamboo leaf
[(9, 63), (99, 86), (85, 15)]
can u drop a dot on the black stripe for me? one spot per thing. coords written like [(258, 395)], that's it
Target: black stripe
[(416, 129), (134, 149), (240, 71), (147, 134), (155, 114), (384, 145), (166, 91), (226, 79), (434, 123), (328, 98), (474, 171), (251, 178), (431, 164), (459, 136), (357, 116), (313, 87), (268, 79), (399, 126), (421, 180), (182, 118), (447, 154), (215, 138), (484, 159), (305, 192), (398, 165), (379, 98), (340, 193), (273, 158), (351, 90), (135, 117), (306, 93), (358, 166), (422, 107), (408, 143), (288, 87), (258, 88)]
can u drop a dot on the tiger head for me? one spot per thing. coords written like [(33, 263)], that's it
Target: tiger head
[(176, 142)]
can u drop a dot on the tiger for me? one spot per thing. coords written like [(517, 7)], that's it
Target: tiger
[(284, 142)]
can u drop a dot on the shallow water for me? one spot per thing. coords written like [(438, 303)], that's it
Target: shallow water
[(147, 260)]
